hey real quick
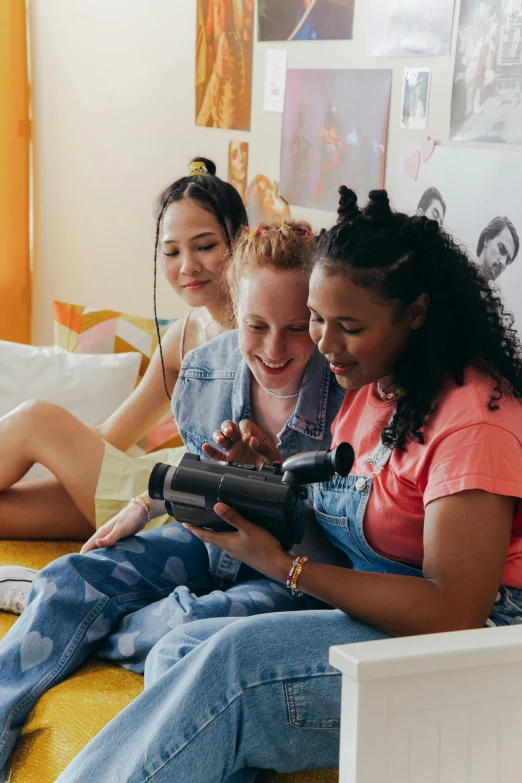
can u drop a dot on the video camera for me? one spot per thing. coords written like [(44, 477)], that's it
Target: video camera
[(272, 496)]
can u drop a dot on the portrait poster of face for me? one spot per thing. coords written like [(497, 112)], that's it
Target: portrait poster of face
[(487, 83), (474, 195), (304, 20), (402, 28), (333, 134), (263, 202), (238, 166), (224, 63), (415, 98)]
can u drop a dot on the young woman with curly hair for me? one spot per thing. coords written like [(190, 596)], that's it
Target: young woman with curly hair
[(430, 516)]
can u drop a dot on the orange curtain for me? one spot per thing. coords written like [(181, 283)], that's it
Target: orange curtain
[(15, 273)]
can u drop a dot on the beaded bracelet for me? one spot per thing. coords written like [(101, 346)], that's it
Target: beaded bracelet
[(144, 503), (295, 572)]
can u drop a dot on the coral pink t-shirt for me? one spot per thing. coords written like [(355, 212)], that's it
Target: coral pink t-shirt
[(467, 446)]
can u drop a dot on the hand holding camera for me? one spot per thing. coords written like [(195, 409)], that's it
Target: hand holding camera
[(271, 496), (244, 443)]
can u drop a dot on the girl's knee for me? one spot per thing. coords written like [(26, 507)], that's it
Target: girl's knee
[(39, 410), (177, 644), (34, 416)]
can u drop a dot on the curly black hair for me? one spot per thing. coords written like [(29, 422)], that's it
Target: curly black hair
[(401, 257)]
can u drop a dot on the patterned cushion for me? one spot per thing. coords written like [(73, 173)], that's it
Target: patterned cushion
[(81, 329), (90, 330), (69, 715)]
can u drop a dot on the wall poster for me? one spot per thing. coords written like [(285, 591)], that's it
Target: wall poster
[(474, 194), (264, 204), (224, 63), (402, 28), (304, 20), (487, 84), (415, 98), (238, 166), (333, 134)]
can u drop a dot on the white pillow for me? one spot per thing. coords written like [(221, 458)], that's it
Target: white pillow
[(90, 386)]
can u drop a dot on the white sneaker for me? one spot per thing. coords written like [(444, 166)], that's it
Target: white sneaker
[(15, 585)]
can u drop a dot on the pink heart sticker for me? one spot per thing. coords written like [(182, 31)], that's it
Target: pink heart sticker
[(427, 147), (412, 164)]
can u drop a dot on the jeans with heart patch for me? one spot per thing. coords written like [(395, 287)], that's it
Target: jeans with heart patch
[(117, 603)]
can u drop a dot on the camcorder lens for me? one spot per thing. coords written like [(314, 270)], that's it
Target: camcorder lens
[(342, 459), (157, 480)]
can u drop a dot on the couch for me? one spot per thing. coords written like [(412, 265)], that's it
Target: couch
[(71, 713)]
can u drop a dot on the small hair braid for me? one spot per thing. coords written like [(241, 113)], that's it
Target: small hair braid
[(158, 224), (378, 209), (347, 210)]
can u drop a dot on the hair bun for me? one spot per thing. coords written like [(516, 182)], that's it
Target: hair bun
[(347, 209), (209, 165), (378, 206)]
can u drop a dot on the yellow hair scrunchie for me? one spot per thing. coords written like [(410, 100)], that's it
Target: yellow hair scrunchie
[(197, 167)]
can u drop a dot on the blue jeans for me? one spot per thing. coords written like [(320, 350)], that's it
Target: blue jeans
[(117, 603), (227, 697)]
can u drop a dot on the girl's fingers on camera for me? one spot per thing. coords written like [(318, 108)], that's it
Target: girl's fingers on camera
[(264, 450), (231, 431), (213, 453)]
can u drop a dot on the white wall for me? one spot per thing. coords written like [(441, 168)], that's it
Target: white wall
[(113, 105)]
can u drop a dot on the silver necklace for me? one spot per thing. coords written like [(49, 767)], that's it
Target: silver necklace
[(280, 396), (220, 323)]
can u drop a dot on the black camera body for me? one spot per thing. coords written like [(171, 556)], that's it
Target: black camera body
[(271, 496)]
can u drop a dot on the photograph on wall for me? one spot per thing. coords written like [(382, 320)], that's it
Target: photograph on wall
[(304, 20), (402, 28), (224, 63), (474, 195), (487, 84), (415, 98), (333, 134), (263, 202), (238, 166)]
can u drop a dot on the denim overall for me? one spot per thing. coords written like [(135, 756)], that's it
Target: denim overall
[(340, 506)]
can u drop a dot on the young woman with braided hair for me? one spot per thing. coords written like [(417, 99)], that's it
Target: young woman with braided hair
[(430, 517), (197, 218)]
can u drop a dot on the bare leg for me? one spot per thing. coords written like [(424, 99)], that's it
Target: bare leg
[(41, 510), (46, 433)]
